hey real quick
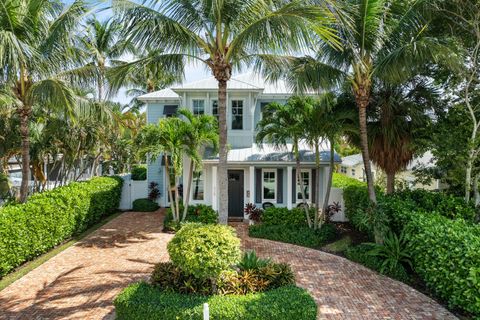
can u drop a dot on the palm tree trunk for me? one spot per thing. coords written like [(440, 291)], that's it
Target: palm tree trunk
[(362, 115), (222, 178), (390, 183), (318, 216), (25, 136), (186, 195), (330, 177), (169, 187), (300, 183)]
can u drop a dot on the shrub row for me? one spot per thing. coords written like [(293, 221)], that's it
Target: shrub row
[(145, 302), (276, 216), (139, 173), (446, 254), (144, 205), (299, 235), (48, 218), (195, 213)]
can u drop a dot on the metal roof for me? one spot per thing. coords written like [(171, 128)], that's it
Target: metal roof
[(352, 160), (268, 153)]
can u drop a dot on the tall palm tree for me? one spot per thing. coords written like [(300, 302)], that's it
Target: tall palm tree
[(35, 42), (201, 134), (223, 35), (286, 124), (327, 121), (381, 39)]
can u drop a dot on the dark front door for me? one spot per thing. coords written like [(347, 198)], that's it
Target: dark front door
[(235, 193)]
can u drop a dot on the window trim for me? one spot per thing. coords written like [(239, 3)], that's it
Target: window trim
[(274, 200), (231, 113), (309, 199), (193, 187), (204, 106)]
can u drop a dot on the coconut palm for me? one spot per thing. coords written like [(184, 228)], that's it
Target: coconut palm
[(35, 42), (381, 39), (327, 121), (223, 35), (202, 133), (284, 124)]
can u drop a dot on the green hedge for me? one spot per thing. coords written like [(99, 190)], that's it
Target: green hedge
[(446, 255), (195, 213), (48, 218), (276, 216), (139, 173), (144, 205), (142, 301), (341, 181), (299, 235)]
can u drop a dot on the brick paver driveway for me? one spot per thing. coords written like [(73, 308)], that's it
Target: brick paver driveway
[(82, 281)]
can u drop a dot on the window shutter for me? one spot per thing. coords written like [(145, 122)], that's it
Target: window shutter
[(294, 185), (279, 185), (258, 185), (313, 179)]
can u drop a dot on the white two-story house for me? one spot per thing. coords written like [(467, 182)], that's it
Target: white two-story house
[(256, 174)]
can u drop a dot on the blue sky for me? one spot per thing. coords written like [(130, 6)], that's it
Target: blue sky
[(192, 71)]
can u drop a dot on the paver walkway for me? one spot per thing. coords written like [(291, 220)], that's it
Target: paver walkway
[(82, 281)]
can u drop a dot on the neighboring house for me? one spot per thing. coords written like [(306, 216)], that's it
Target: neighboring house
[(352, 166), (256, 173)]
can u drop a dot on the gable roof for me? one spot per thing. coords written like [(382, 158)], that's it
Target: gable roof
[(243, 82), (352, 160)]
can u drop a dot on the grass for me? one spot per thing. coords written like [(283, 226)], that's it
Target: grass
[(30, 265), (338, 246)]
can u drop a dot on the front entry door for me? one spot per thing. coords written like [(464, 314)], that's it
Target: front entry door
[(235, 193)]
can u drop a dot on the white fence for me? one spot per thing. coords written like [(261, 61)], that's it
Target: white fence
[(131, 191), (336, 195)]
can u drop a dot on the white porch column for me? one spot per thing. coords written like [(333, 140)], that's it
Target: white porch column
[(251, 186), (214, 188), (289, 187)]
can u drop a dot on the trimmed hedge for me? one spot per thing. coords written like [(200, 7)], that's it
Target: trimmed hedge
[(142, 301), (48, 218), (446, 254), (341, 181), (277, 216), (139, 173), (294, 234), (144, 205)]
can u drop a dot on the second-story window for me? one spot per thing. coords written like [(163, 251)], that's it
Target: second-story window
[(237, 114), (198, 106)]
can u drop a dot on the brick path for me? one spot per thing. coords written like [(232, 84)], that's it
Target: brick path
[(81, 282)]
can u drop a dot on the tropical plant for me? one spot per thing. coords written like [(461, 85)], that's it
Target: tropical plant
[(286, 124), (202, 133), (224, 35), (250, 261), (35, 48), (394, 252)]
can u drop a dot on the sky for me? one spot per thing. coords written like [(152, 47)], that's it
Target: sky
[(193, 71)]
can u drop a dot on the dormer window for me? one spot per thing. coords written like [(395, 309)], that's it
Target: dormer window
[(237, 114)]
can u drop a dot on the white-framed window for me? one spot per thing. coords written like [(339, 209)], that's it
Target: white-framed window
[(306, 180), (198, 106), (343, 170), (198, 186), (237, 114), (353, 172), (215, 108), (269, 185)]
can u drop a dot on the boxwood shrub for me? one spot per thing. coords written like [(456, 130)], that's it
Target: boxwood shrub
[(144, 205), (299, 235), (142, 301), (48, 218), (446, 255), (276, 216)]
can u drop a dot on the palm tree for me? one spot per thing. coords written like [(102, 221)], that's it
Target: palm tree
[(384, 40), (327, 121), (286, 123), (223, 35), (397, 116), (168, 139), (35, 37), (202, 133)]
